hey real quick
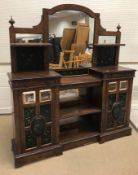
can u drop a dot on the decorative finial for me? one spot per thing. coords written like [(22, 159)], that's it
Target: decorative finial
[(11, 21), (118, 27)]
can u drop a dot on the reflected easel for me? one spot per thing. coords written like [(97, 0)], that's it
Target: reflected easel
[(74, 31), (73, 44)]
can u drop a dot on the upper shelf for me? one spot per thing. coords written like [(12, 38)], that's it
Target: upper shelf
[(30, 44), (107, 45), (78, 110)]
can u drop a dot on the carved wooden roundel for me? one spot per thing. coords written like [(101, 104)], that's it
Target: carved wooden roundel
[(38, 125), (116, 111)]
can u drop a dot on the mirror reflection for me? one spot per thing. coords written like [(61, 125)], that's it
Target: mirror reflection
[(28, 38), (107, 40), (71, 35)]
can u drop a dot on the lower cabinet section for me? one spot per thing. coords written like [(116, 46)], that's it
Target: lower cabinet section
[(117, 109), (77, 111), (35, 155), (120, 132)]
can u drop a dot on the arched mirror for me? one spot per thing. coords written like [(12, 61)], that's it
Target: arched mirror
[(78, 41), (71, 34)]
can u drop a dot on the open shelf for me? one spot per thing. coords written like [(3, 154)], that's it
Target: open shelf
[(77, 133), (78, 110)]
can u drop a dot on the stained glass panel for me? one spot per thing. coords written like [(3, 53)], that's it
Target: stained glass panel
[(29, 113), (45, 110), (30, 139)]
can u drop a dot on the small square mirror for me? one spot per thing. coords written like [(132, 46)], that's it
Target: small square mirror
[(123, 85), (112, 86), (45, 95), (29, 97)]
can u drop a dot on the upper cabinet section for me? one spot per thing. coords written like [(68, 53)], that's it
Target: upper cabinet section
[(68, 37)]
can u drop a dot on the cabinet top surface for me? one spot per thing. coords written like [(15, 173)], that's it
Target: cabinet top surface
[(33, 75), (30, 44), (79, 80), (112, 69)]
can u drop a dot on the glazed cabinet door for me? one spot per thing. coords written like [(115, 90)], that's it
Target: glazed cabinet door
[(39, 118), (117, 104)]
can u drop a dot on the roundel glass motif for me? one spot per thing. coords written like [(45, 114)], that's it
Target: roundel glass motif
[(116, 111), (38, 125)]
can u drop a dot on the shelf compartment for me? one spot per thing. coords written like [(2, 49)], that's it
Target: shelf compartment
[(77, 134), (78, 110)]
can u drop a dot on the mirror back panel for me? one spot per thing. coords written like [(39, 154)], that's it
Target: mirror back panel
[(76, 41)]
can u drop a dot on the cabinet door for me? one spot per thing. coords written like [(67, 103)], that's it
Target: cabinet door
[(117, 104), (37, 118)]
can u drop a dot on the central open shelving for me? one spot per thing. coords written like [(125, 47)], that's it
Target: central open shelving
[(78, 110), (79, 114), (78, 132)]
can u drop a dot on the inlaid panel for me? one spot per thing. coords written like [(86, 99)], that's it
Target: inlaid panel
[(29, 113), (110, 121), (38, 125), (111, 100), (116, 111), (114, 122), (121, 118), (46, 137), (122, 99), (45, 110), (30, 139)]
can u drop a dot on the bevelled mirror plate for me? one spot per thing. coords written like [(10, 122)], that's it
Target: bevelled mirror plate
[(71, 35)]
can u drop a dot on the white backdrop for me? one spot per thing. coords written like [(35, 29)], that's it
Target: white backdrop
[(27, 13)]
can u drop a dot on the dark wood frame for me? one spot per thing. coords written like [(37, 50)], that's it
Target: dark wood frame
[(95, 82)]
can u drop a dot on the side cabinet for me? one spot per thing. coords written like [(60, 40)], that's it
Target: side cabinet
[(116, 101), (118, 94), (35, 119)]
